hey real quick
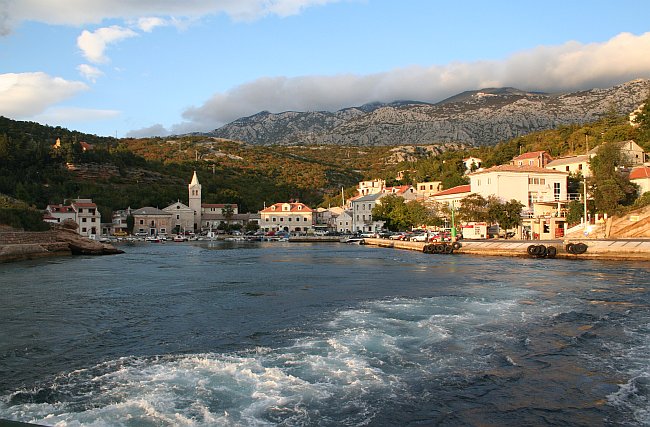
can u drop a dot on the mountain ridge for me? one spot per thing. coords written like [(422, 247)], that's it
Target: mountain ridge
[(479, 117)]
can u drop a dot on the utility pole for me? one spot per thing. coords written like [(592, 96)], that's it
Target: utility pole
[(584, 181)]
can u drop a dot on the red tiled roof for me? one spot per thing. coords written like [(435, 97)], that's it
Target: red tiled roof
[(514, 168), (293, 207), (640, 172), (530, 155), (397, 189), (455, 190), (60, 208), (85, 205)]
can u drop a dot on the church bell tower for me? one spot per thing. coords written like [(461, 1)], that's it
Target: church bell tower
[(194, 189)]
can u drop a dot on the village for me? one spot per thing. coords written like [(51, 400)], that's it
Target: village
[(534, 179)]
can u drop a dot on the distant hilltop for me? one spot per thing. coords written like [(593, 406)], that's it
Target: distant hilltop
[(481, 117)]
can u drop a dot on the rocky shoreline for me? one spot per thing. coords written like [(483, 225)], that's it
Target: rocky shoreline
[(16, 245)]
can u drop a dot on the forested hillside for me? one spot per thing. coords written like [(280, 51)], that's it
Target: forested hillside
[(155, 171)]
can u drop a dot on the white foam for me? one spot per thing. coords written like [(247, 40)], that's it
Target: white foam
[(360, 359)]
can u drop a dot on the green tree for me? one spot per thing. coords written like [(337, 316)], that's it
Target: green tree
[(642, 119), (473, 208), (401, 215), (392, 210), (609, 187), (227, 211), (575, 212)]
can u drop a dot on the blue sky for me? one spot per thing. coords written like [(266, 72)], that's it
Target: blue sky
[(159, 67)]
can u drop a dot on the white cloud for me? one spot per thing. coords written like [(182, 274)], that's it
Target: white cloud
[(24, 95), (94, 44), (567, 67), (89, 72), (80, 12), (148, 24), (74, 115), (155, 130)]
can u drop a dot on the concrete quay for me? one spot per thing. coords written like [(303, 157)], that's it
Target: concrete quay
[(605, 249)]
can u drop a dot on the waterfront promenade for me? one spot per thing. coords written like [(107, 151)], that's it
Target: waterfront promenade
[(612, 249)]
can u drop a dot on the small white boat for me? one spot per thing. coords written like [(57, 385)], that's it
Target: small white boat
[(354, 240)]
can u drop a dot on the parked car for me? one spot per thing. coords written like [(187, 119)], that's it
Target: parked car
[(420, 237)]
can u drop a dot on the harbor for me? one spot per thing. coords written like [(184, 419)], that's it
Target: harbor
[(604, 249)]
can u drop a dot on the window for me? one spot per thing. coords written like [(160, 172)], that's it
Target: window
[(83, 219), (305, 219), (178, 217), (568, 169), (274, 220), (83, 230), (556, 190), (281, 219), (489, 181), (580, 167), (289, 219), (142, 222), (542, 181)]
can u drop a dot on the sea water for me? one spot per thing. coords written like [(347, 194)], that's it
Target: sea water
[(239, 334)]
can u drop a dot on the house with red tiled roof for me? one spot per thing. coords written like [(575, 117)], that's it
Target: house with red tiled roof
[(542, 192), (532, 158), (407, 192), (641, 177), (82, 211), (452, 195), (291, 217), (526, 184)]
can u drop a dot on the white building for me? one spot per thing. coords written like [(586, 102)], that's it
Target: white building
[(427, 189), (291, 217), (82, 211), (572, 164), (631, 153), (371, 187), (526, 184), (452, 196), (194, 189), (362, 213), (344, 222), (182, 217), (641, 177), (472, 163)]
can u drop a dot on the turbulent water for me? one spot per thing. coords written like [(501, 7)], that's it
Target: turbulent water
[(335, 335)]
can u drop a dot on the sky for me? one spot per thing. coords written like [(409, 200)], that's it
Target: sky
[(135, 68)]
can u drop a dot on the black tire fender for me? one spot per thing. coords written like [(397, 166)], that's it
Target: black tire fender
[(551, 251), (569, 248), (449, 249), (579, 248), (531, 250), (456, 245)]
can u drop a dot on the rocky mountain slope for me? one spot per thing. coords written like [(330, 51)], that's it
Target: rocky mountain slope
[(482, 117)]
